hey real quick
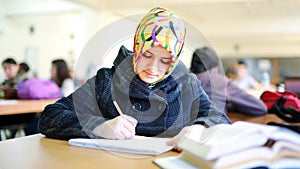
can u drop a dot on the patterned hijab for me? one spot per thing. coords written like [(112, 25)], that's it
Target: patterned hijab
[(160, 27)]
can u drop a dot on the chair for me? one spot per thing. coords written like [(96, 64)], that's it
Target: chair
[(292, 84)]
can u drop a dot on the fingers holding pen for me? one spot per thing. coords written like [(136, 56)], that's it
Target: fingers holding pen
[(128, 126), (129, 130), (131, 120), (121, 127)]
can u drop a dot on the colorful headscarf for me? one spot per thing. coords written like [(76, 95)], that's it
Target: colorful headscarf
[(160, 27)]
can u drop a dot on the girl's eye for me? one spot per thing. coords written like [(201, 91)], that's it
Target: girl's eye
[(147, 55), (166, 61)]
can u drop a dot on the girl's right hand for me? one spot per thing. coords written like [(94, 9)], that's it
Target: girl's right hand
[(119, 128)]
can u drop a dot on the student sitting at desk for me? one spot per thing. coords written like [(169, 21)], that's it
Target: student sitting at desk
[(15, 74), (60, 74), (11, 69), (244, 80), (153, 88), (227, 96)]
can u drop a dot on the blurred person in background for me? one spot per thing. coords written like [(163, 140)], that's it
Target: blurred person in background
[(222, 91), (24, 71), (244, 80), (61, 75), (16, 125), (232, 70), (15, 74), (11, 69)]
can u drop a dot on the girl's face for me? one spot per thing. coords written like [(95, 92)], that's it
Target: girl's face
[(153, 64)]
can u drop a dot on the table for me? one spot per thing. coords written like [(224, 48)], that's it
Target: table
[(255, 119), (17, 114), (36, 152), (9, 107)]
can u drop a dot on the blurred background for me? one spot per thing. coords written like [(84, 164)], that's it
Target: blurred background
[(260, 32)]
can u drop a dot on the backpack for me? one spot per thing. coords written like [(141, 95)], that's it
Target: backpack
[(285, 105), (270, 98), (38, 89)]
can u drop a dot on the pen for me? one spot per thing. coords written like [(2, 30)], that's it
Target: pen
[(118, 108)]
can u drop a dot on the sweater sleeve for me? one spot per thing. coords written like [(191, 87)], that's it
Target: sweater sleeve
[(73, 116)]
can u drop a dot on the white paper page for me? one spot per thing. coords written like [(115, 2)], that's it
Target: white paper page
[(8, 102), (137, 145)]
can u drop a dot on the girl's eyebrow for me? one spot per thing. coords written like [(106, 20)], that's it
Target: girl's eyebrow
[(149, 52)]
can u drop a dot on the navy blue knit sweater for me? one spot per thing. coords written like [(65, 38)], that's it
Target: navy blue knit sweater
[(163, 110)]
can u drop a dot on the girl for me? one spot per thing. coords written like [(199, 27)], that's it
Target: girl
[(61, 75), (153, 88)]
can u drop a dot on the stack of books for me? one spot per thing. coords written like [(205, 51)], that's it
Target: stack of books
[(240, 145)]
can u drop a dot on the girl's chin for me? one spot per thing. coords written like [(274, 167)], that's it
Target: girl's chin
[(149, 80)]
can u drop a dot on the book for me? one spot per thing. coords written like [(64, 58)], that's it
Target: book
[(240, 145), (219, 140), (246, 159), (137, 145)]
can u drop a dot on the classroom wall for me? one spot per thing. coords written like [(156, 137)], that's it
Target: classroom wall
[(40, 34), (38, 38)]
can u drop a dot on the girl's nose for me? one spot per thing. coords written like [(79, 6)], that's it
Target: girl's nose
[(154, 64)]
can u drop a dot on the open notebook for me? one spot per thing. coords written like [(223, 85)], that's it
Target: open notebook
[(137, 145)]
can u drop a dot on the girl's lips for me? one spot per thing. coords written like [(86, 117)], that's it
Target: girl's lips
[(150, 74)]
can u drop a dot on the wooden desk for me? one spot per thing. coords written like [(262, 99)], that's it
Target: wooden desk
[(259, 119), (36, 152), (23, 106)]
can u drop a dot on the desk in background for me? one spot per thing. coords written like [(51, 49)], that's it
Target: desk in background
[(9, 107), (36, 152), (18, 115), (256, 119)]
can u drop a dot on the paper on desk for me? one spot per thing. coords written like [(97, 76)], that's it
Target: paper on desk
[(138, 145), (8, 102)]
